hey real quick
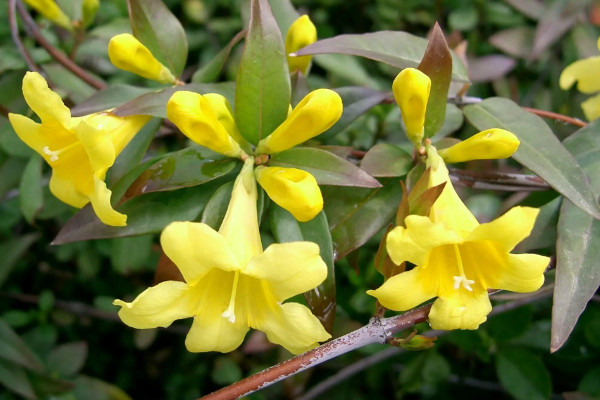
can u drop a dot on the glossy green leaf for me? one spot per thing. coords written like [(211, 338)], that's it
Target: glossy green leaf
[(110, 97), (12, 249), (14, 350), (357, 101), (210, 72), (285, 14), (399, 49), (326, 167), (160, 31), (578, 245), (67, 359), (540, 150), (148, 213), (543, 233), (286, 228), (30, 189), (437, 64), (15, 379), (216, 207), (262, 94), (95, 389), (356, 214), (155, 104), (386, 160), (523, 375)]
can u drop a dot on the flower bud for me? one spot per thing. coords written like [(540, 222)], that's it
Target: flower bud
[(316, 113), (292, 189), (194, 116), (88, 11), (129, 54), (411, 91), (50, 10), (301, 33), (486, 145)]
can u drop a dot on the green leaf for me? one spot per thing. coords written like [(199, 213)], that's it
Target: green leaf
[(216, 207), (30, 189), (15, 379), (148, 213), (399, 49), (125, 261), (540, 150), (89, 388), (285, 14), (155, 104), (13, 349), (262, 94), (160, 31), (357, 101), (110, 97), (544, 231), (523, 375), (437, 64), (225, 371), (356, 214), (386, 160), (286, 228), (326, 167), (210, 72), (68, 359)]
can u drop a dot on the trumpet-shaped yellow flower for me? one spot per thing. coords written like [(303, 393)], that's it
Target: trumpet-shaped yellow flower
[(411, 90), (300, 34), (586, 73), (315, 113), (50, 10), (293, 189), (129, 54), (457, 259), (486, 145), (206, 120), (231, 285), (79, 150)]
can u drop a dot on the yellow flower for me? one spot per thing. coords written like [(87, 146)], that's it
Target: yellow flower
[(208, 121), (79, 150), (231, 285), (586, 73), (50, 10), (457, 260), (88, 11), (486, 145), (300, 34), (129, 54), (411, 91), (293, 189)]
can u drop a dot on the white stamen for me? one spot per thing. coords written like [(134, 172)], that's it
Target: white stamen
[(229, 314), (464, 282), (53, 154)]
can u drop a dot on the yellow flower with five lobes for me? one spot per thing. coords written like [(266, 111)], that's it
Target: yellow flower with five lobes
[(300, 34), (129, 54), (231, 284), (586, 73), (80, 150), (315, 113), (50, 10), (293, 189), (411, 90), (486, 145)]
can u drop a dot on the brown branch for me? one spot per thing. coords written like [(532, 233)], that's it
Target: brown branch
[(54, 52), (14, 33), (556, 116), (494, 180), (4, 111)]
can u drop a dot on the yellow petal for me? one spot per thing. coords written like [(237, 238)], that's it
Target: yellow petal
[(44, 102), (31, 133), (486, 145), (129, 54), (66, 190), (120, 130), (100, 199), (411, 91), (300, 34), (304, 268), (585, 72), (464, 310), (50, 10), (222, 110), (211, 332), (523, 273), (157, 306), (194, 116), (507, 230), (316, 113), (98, 146), (185, 243), (292, 326), (406, 290), (591, 107), (420, 236), (292, 189)]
